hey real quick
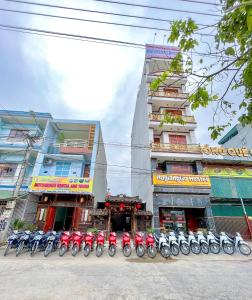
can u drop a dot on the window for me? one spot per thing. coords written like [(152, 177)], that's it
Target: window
[(62, 169), (7, 169), (18, 133), (173, 112), (180, 168), (170, 90), (177, 139)]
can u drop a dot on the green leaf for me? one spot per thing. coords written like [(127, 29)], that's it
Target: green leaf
[(230, 51)]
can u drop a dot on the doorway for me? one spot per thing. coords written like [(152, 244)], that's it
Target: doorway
[(63, 218), (121, 222)]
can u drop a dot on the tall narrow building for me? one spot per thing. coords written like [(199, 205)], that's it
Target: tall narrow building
[(166, 160)]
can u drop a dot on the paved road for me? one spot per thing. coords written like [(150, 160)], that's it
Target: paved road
[(193, 277)]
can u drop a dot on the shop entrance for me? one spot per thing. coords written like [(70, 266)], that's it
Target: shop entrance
[(121, 222), (63, 218)]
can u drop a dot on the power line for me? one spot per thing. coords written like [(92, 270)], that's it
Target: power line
[(152, 7), (94, 21)]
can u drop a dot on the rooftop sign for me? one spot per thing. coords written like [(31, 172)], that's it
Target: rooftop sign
[(160, 51), (241, 152)]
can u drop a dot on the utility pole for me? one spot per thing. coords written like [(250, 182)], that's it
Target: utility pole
[(18, 186)]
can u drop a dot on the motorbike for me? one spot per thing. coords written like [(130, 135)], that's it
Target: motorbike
[(126, 247), (150, 245), (203, 242), (89, 240), (172, 242), (112, 244), (65, 242), (139, 244), (12, 241), (226, 243), (193, 243), (183, 244), (241, 245), (212, 242), (100, 241), (78, 242), (162, 245), (52, 242), (24, 242), (38, 242)]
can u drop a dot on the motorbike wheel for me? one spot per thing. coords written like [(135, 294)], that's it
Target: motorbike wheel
[(19, 248), (228, 248), (152, 251), (195, 248), (175, 250), (205, 248), (140, 250), (7, 249), (87, 250), (75, 249), (48, 250), (62, 250), (244, 249), (99, 251), (184, 248), (127, 250), (165, 251), (214, 248), (34, 248), (112, 250)]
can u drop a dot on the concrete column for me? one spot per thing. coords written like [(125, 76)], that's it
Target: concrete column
[(209, 218), (199, 167)]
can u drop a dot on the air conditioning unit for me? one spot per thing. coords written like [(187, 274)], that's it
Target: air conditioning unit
[(48, 161)]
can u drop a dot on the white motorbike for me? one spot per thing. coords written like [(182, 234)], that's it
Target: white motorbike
[(241, 245), (203, 242), (183, 244), (161, 245), (213, 244), (172, 242), (193, 243), (226, 243)]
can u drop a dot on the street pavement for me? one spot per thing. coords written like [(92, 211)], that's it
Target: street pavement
[(184, 277)]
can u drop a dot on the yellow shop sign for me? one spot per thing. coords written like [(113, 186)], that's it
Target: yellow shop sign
[(181, 180)]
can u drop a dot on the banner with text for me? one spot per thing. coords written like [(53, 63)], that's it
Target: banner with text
[(181, 180)]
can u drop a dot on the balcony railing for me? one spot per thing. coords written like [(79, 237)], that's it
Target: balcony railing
[(12, 180), (177, 148), (159, 117), (73, 146), (168, 94)]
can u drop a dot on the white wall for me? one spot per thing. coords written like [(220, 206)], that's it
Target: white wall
[(141, 184), (242, 139)]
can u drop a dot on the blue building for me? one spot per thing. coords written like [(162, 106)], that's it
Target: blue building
[(65, 174)]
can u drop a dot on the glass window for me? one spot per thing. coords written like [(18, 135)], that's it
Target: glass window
[(8, 169), (18, 133), (62, 169)]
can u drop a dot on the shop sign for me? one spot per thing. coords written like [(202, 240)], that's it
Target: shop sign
[(229, 172), (181, 180), (241, 152), (155, 51), (61, 184)]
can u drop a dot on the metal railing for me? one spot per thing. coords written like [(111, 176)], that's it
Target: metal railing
[(73, 143), (159, 117), (167, 94), (178, 148), (11, 180)]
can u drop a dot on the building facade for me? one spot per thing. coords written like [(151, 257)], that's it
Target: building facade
[(65, 175)]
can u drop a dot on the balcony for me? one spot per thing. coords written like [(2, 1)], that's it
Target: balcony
[(71, 147), (167, 94), (159, 118), (12, 180), (176, 148)]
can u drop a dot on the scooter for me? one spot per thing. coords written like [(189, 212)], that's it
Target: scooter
[(226, 243), (241, 245), (203, 242), (162, 245), (112, 244), (139, 244), (65, 242), (38, 242), (24, 242), (12, 242), (172, 242), (212, 242), (150, 245), (193, 243), (89, 240), (78, 242), (183, 244), (52, 242), (126, 247), (100, 241)]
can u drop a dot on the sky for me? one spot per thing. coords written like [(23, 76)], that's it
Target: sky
[(85, 80)]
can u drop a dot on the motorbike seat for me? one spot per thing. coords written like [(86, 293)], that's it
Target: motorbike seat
[(230, 236)]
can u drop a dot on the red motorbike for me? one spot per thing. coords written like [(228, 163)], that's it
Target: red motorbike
[(78, 242), (65, 242), (100, 241), (126, 247), (139, 244), (150, 245), (112, 244), (89, 241)]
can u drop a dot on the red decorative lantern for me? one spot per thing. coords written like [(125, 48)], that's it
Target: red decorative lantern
[(138, 206), (107, 204), (121, 206)]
